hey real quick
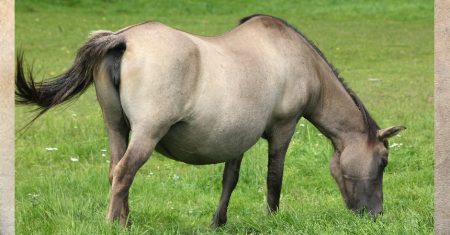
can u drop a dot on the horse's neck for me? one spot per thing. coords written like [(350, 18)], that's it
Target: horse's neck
[(334, 112)]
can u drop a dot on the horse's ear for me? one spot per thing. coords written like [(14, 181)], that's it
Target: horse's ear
[(386, 133)]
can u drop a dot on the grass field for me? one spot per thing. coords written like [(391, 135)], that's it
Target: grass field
[(384, 50)]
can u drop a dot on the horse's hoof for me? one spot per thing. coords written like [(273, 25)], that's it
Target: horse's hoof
[(272, 210), (215, 225), (126, 222), (218, 222)]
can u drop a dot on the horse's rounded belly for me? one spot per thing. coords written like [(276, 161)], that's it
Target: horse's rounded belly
[(199, 145)]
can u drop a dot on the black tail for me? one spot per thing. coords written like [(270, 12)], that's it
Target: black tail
[(72, 83)]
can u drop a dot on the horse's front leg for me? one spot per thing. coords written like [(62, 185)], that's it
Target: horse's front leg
[(229, 181), (279, 138)]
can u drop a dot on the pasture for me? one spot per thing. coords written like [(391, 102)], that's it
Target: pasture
[(384, 50)]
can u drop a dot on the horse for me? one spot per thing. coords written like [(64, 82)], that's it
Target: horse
[(207, 100)]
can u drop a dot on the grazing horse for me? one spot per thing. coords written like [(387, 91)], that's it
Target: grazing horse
[(207, 100)]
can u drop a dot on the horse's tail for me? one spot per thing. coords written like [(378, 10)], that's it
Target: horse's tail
[(72, 83)]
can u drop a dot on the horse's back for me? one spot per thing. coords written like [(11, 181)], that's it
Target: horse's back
[(218, 95), (283, 58)]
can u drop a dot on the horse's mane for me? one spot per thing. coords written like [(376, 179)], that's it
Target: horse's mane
[(371, 125)]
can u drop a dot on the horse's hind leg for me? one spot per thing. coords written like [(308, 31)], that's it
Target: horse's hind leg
[(142, 143), (118, 132), (278, 137), (115, 122), (229, 181), (118, 141)]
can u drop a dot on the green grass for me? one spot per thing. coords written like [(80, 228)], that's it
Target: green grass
[(384, 49)]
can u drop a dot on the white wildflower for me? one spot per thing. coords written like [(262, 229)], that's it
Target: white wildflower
[(75, 159), (175, 177), (396, 145), (51, 149), (33, 195)]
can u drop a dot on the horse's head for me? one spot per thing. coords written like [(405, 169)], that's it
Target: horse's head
[(358, 170)]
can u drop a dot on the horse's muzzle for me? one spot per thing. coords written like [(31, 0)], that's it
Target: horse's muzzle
[(371, 211)]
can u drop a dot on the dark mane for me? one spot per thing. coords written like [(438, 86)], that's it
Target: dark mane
[(372, 126)]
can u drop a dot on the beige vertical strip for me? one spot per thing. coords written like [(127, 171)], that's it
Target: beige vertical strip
[(442, 116), (6, 117)]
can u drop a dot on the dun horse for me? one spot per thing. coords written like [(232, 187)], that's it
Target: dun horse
[(207, 100)]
